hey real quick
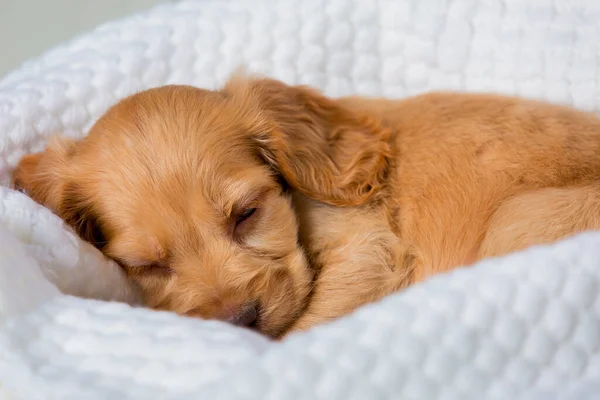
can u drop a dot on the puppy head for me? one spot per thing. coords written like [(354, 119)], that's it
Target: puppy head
[(182, 187)]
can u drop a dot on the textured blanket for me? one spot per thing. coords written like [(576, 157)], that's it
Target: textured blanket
[(523, 326)]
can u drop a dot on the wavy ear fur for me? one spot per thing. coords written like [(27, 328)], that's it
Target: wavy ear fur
[(320, 147), (45, 177)]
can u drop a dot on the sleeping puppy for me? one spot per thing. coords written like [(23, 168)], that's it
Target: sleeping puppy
[(274, 207)]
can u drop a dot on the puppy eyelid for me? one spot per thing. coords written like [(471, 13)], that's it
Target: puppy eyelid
[(142, 264), (153, 269), (244, 215), (240, 220), (160, 267)]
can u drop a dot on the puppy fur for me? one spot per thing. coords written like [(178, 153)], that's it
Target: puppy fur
[(274, 196)]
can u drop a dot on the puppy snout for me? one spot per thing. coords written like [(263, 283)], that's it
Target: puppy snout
[(245, 315)]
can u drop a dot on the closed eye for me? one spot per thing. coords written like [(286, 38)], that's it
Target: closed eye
[(157, 269), (243, 221), (244, 215), (138, 267)]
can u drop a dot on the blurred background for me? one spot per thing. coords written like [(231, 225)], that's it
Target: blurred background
[(29, 27)]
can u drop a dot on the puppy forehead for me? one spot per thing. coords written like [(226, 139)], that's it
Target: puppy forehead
[(171, 153), (168, 135), (169, 116)]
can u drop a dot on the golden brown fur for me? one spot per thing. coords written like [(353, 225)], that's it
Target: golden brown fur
[(354, 198)]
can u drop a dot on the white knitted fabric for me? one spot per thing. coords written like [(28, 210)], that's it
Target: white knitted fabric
[(526, 326)]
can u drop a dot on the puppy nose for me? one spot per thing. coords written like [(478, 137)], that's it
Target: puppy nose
[(244, 316)]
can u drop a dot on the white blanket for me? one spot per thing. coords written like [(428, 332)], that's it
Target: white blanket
[(523, 326)]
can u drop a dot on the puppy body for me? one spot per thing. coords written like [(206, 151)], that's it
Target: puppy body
[(182, 187), (471, 176)]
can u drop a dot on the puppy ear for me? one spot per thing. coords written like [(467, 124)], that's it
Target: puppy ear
[(319, 146), (47, 178)]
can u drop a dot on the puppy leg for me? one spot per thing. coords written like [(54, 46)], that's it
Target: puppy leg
[(367, 268), (541, 216)]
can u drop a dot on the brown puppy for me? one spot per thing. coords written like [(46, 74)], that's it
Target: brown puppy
[(242, 204)]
